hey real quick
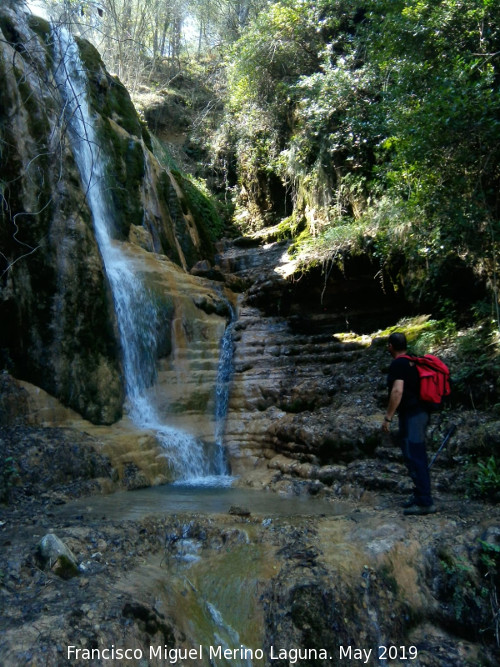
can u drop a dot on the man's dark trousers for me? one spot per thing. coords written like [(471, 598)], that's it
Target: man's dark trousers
[(412, 427)]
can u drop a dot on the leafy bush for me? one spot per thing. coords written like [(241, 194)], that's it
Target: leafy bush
[(476, 376), (382, 119), (485, 482)]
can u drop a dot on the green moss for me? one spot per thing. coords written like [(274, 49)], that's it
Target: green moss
[(163, 155), (65, 568), (126, 170), (126, 166), (291, 227), (109, 96), (39, 26), (178, 207), (168, 195), (197, 198), (200, 203), (38, 123), (10, 32), (297, 247), (89, 55), (37, 169), (197, 402), (423, 333)]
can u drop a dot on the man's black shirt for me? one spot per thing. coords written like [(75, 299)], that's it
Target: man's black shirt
[(403, 369)]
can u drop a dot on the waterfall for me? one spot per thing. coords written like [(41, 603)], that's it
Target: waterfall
[(224, 375), (137, 315)]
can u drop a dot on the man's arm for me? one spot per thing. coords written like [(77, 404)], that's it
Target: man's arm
[(394, 400)]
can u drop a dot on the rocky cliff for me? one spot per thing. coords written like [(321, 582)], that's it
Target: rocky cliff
[(308, 395), (350, 573), (58, 325)]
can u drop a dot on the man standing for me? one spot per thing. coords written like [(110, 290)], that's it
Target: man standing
[(403, 384)]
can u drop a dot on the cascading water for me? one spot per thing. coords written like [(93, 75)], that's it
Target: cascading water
[(224, 376), (137, 316)]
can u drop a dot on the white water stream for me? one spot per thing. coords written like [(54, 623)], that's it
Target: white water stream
[(223, 382), (137, 315)]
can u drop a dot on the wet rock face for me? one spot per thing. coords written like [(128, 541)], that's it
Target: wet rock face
[(58, 330), (58, 324), (391, 585), (308, 399), (303, 399), (290, 392), (35, 462), (13, 401)]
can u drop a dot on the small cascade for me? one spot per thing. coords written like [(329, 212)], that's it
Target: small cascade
[(224, 376), (373, 618), (219, 470), (138, 316), (214, 598)]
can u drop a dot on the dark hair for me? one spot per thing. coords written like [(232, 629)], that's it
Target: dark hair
[(398, 341)]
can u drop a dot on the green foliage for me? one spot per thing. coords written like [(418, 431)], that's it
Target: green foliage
[(382, 118), (485, 480), (434, 334), (424, 334), (331, 243), (281, 45), (490, 556), (472, 354), (199, 200), (476, 372), (442, 110), (464, 593), (201, 204), (8, 477), (490, 560), (273, 52)]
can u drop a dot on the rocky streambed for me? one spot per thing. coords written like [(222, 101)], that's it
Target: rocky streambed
[(318, 567), (331, 581)]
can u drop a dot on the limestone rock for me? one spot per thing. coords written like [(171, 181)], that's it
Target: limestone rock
[(13, 401), (56, 556), (239, 511), (149, 620), (59, 330)]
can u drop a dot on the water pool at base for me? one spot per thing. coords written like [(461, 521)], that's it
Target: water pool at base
[(178, 498)]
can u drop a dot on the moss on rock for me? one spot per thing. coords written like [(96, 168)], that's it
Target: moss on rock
[(125, 174), (109, 95)]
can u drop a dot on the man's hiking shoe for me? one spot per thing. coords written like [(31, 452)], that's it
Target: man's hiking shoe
[(420, 509)]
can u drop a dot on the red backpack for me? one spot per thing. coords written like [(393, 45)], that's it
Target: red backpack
[(434, 378)]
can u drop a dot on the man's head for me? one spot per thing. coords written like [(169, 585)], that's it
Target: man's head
[(397, 343)]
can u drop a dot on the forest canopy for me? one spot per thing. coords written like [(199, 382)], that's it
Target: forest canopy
[(366, 125), (382, 119)]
